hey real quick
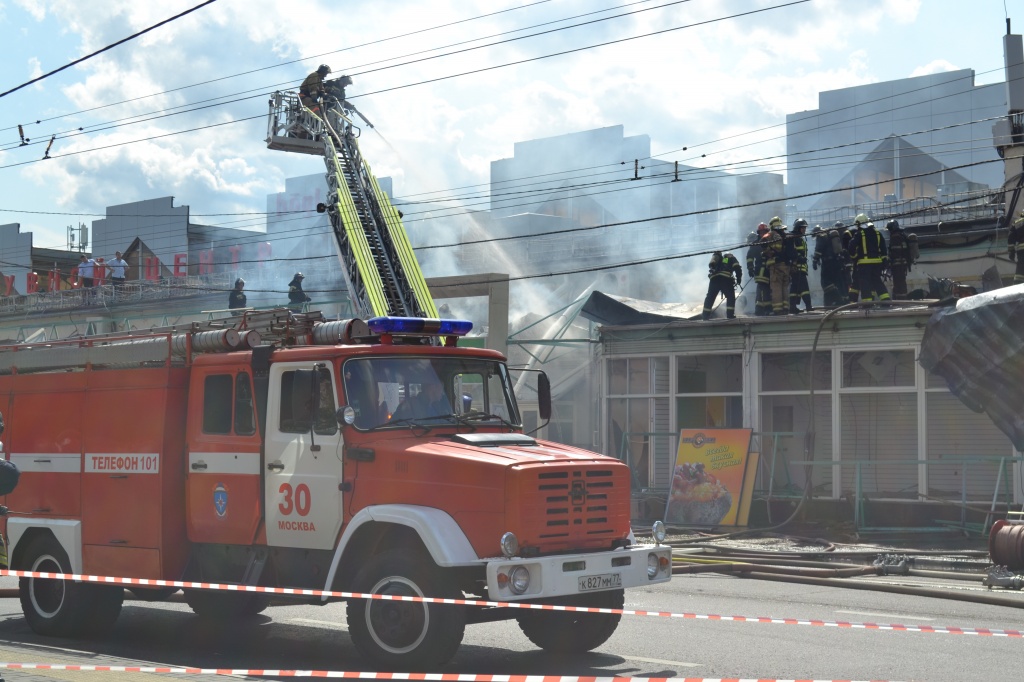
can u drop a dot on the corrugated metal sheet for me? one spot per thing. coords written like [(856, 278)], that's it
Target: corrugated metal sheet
[(978, 348)]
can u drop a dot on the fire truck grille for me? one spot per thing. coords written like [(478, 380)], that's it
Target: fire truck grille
[(579, 506)]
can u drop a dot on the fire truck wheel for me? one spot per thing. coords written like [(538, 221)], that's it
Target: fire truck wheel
[(225, 606), (105, 603), (52, 607), (399, 634), (573, 632)]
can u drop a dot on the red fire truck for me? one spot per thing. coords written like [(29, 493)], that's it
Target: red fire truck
[(281, 449)]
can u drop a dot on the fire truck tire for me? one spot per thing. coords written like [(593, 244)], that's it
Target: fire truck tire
[(573, 632), (399, 634), (57, 608), (104, 607), (224, 605)]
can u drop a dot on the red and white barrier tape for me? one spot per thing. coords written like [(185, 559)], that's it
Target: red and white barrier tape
[(145, 582), (430, 677)]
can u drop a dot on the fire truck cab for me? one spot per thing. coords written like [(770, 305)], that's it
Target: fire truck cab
[(377, 458)]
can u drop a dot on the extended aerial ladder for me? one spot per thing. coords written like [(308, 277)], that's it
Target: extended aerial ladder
[(378, 263)]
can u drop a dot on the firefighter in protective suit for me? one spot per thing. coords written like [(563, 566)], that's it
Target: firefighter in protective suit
[(312, 89), (870, 257), (779, 255), (1015, 247), (799, 287), (721, 271), (830, 257), (899, 259), (757, 270)]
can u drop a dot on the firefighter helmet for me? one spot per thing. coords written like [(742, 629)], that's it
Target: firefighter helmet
[(323, 70), (775, 222), (838, 225), (752, 237), (762, 228), (892, 225), (800, 224), (299, 275), (239, 282), (861, 218)]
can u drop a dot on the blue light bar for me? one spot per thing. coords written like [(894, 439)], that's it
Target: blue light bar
[(422, 326)]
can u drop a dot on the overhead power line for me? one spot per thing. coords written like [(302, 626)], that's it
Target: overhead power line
[(234, 97), (293, 61), (498, 66), (108, 47)]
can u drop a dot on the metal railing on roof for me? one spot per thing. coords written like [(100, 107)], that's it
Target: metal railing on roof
[(972, 205)]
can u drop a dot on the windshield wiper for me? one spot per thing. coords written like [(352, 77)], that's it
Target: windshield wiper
[(411, 422), (480, 416)]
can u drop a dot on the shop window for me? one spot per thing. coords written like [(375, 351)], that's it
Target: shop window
[(878, 369), (709, 374), (791, 371), (879, 430)]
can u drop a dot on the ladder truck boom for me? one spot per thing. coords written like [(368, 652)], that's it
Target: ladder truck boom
[(377, 260)]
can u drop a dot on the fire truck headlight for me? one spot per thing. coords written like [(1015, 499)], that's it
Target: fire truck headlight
[(347, 415), (509, 545), (652, 566), (658, 531), (519, 579)]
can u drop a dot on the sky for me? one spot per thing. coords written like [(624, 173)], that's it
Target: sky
[(721, 74)]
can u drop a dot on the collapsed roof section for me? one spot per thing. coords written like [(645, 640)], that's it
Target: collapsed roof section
[(978, 348), (615, 311)]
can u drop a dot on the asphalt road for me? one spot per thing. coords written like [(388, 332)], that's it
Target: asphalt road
[(315, 637)]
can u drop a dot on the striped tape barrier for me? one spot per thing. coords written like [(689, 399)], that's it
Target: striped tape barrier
[(429, 677), (291, 591)]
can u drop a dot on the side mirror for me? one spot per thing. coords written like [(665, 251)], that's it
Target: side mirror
[(544, 396)]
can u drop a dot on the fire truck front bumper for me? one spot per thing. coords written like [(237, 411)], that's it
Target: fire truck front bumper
[(567, 574)]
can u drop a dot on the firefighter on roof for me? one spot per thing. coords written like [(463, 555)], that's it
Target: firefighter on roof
[(829, 256), (870, 257), (799, 287), (763, 293), (849, 238), (721, 270), (899, 259), (1015, 247), (236, 299), (296, 296), (779, 255)]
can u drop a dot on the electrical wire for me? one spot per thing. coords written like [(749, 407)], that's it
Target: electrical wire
[(294, 61), (108, 47), (262, 91), (514, 63)]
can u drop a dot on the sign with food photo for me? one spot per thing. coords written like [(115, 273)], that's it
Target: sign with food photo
[(710, 477)]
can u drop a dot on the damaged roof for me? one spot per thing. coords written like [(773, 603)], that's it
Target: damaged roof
[(978, 348)]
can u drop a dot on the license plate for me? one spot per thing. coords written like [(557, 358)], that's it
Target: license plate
[(599, 582)]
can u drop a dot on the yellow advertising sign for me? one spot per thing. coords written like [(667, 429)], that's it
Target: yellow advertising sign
[(711, 479)]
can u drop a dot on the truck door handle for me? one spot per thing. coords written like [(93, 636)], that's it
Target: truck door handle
[(196, 466), (275, 466)]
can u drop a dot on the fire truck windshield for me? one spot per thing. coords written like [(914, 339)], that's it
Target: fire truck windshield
[(432, 391)]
